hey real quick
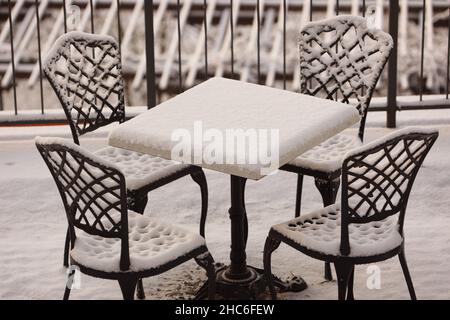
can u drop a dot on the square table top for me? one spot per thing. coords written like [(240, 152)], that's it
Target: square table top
[(220, 104)]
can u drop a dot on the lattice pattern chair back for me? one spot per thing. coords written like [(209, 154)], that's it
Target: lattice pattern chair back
[(86, 73), (93, 191), (377, 178), (341, 59)]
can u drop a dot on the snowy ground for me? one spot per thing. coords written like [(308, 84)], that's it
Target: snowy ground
[(32, 225)]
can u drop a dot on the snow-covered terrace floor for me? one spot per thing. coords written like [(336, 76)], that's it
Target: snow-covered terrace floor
[(32, 225)]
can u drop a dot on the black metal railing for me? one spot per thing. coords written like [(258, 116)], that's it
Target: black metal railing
[(392, 105)]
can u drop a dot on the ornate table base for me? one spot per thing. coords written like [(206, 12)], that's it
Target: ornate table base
[(239, 281), (253, 287)]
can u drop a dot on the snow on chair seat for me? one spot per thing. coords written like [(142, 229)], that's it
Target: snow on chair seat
[(140, 169), (152, 243), (328, 155), (320, 231)]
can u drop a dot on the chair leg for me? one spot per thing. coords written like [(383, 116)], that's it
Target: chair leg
[(206, 261), (298, 199), (69, 284), (350, 295), (128, 286), (327, 272), (343, 272), (66, 294), (138, 202), (200, 179), (404, 265), (66, 249), (328, 190), (140, 294), (270, 246)]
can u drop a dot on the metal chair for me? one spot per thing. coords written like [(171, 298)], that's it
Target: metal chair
[(107, 239), (367, 226), (85, 72), (340, 59)]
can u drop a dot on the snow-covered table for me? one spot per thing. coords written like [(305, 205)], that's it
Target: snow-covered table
[(209, 110)]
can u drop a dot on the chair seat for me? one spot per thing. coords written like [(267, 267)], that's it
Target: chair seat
[(327, 156), (320, 231), (140, 169), (152, 243)]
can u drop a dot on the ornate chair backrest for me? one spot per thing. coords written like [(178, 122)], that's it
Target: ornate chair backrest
[(93, 192), (342, 59), (85, 72), (377, 178)]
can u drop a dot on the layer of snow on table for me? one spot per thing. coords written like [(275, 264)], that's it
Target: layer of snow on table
[(303, 121)]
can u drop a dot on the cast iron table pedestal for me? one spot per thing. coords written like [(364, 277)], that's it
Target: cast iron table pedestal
[(238, 280)]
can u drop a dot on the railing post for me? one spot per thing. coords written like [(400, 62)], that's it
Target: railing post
[(13, 61), (392, 67), (119, 27), (150, 54), (205, 24), (65, 15), (447, 79), (258, 42), (180, 72), (284, 43), (38, 25), (232, 39), (1, 96)]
